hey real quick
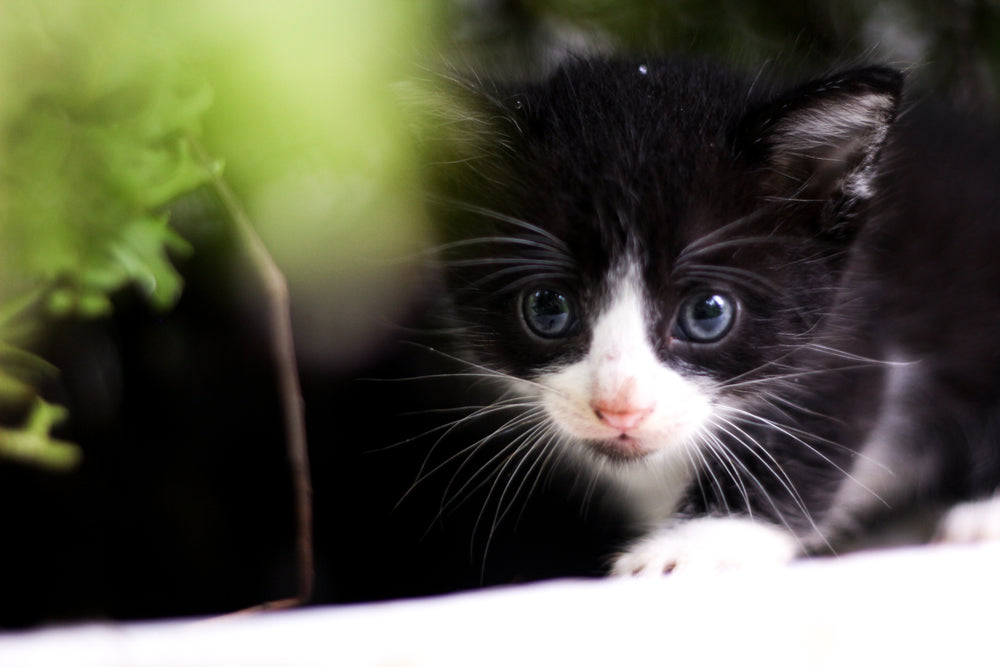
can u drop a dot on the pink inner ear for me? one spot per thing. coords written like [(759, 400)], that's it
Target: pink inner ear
[(832, 144)]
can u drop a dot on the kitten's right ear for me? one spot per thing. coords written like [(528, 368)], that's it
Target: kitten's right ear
[(823, 139)]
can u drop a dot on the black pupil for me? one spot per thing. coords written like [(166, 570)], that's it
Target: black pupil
[(708, 309), (707, 318), (547, 312)]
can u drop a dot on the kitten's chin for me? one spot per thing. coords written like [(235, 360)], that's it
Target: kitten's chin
[(622, 449)]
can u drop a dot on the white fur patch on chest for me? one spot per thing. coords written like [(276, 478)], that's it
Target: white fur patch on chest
[(621, 398)]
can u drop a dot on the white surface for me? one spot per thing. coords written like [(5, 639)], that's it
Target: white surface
[(932, 605)]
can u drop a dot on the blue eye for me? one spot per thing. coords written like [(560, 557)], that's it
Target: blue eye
[(706, 317), (548, 313)]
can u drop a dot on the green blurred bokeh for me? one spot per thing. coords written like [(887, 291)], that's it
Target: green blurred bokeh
[(317, 148), (99, 102), (104, 108)]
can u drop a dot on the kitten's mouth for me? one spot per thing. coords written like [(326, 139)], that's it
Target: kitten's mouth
[(623, 449)]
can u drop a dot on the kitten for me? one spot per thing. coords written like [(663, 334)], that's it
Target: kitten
[(763, 316)]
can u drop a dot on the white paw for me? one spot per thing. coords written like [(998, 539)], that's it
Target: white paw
[(977, 521), (707, 545)]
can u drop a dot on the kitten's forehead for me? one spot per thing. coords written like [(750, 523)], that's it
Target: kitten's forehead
[(615, 160), (673, 95)]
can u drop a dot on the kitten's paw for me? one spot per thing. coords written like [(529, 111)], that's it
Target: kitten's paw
[(977, 521), (707, 545)]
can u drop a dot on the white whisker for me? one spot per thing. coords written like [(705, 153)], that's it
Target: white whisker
[(722, 454), (486, 371), (556, 242), (751, 445), (727, 228), (749, 417), (507, 450), (729, 384), (843, 354), (500, 513)]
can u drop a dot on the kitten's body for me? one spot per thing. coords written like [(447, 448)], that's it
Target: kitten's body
[(746, 309)]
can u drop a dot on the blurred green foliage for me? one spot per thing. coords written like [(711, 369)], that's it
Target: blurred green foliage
[(318, 148), (95, 142), (101, 103)]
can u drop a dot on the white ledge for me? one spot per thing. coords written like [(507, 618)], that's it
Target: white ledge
[(925, 605)]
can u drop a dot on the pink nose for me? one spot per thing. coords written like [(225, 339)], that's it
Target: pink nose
[(621, 419)]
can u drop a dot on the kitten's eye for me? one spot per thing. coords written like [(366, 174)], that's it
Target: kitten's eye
[(548, 313), (706, 317)]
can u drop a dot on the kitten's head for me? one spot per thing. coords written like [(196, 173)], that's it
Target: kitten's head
[(640, 248)]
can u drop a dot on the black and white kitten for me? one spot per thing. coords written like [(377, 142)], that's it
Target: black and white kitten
[(763, 315)]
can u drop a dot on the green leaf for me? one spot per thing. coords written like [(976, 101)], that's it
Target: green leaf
[(96, 141), (33, 442)]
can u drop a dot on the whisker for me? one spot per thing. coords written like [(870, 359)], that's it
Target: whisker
[(738, 243), (464, 492), (519, 262), (488, 372), (850, 356), (689, 453), (556, 242), (766, 398), (735, 381), (423, 474), (790, 376), (550, 452), (819, 439), (721, 453), (712, 272), (516, 285), (479, 411), (751, 445), (702, 241), (750, 418), (501, 512), (528, 419), (597, 473)]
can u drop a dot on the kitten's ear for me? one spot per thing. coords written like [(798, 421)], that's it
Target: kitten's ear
[(823, 139)]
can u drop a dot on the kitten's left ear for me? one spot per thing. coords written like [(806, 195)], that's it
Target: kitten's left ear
[(823, 139)]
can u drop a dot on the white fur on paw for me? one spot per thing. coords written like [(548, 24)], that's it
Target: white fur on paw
[(977, 521), (707, 545)]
